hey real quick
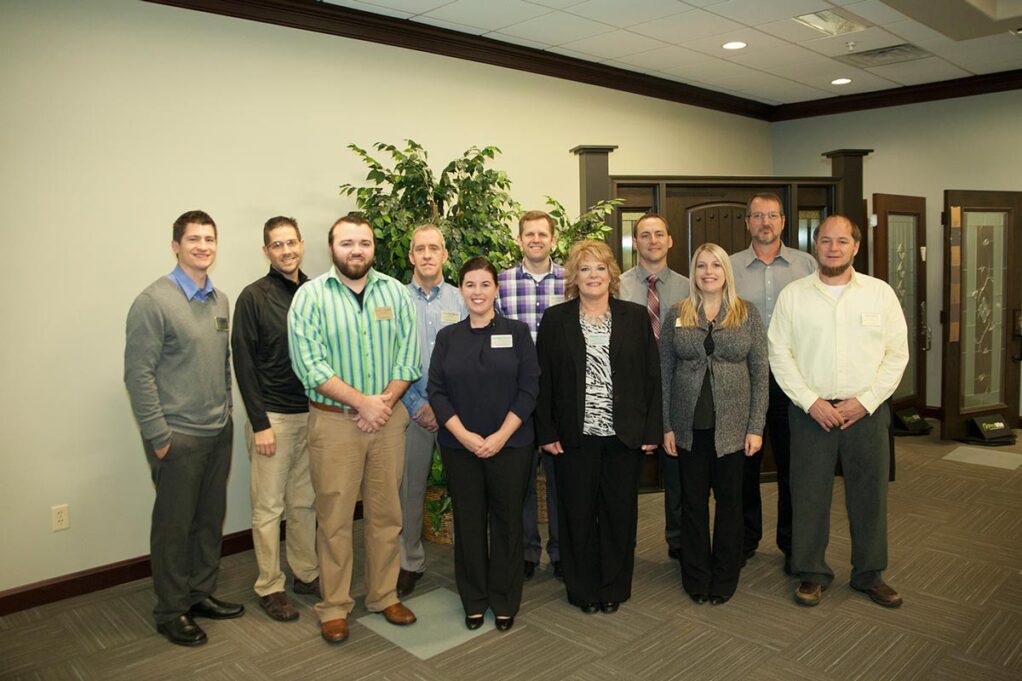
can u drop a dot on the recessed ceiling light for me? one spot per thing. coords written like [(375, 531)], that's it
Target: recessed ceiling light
[(841, 81), (734, 45)]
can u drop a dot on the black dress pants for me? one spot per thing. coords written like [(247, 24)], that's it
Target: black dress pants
[(597, 495), (713, 571), (780, 443), (487, 496), (188, 519)]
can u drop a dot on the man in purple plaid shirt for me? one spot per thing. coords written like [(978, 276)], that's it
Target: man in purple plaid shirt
[(526, 291)]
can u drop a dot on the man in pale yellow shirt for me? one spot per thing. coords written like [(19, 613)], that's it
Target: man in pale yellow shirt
[(838, 348)]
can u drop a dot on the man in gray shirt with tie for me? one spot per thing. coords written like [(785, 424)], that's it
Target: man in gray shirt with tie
[(761, 271), (656, 287)]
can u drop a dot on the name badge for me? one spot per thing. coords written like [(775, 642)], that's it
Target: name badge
[(871, 319), (449, 317), (501, 340), (383, 314), (598, 339), (556, 300), (221, 323), (677, 322)]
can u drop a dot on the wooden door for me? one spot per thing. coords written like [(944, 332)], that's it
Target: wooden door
[(982, 308), (899, 247)]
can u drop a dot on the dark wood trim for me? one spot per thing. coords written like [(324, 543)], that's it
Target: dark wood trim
[(932, 412), (112, 574), (321, 17), (911, 94)]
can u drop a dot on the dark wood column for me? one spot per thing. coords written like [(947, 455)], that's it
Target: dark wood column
[(846, 164), (593, 174)]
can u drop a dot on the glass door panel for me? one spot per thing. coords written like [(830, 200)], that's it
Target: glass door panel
[(901, 275), (984, 284), (629, 256)]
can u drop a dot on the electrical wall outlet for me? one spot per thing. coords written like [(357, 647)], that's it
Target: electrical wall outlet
[(61, 517)]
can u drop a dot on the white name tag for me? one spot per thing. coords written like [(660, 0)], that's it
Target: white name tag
[(501, 340), (871, 319), (598, 339), (383, 314), (556, 300), (449, 317)]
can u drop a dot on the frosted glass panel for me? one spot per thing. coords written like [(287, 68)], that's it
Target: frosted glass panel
[(629, 255), (984, 279), (901, 268)]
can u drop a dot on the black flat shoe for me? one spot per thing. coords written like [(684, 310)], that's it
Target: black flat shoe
[(530, 569), (215, 609), (182, 631), (699, 598), (609, 607), (473, 622), (589, 608), (558, 570), (504, 623), (719, 600)]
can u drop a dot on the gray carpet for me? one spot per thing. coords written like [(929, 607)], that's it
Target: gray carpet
[(955, 555)]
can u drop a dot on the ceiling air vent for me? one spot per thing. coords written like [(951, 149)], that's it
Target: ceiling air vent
[(883, 56)]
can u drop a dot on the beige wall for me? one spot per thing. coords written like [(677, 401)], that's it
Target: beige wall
[(920, 150), (120, 115)]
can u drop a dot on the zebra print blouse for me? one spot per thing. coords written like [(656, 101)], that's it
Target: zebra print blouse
[(599, 406)]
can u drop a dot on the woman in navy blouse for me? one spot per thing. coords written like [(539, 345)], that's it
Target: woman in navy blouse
[(483, 381)]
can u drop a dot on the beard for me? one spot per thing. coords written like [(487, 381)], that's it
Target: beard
[(354, 271), (835, 271)]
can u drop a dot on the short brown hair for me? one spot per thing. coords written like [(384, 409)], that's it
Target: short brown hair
[(591, 250), (649, 216), (536, 215), (763, 196), (352, 218), (192, 217), (279, 221), (856, 232)]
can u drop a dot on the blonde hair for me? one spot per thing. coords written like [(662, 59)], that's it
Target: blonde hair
[(590, 250), (737, 309)]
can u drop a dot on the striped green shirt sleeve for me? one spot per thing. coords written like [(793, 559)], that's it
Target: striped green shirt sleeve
[(330, 335)]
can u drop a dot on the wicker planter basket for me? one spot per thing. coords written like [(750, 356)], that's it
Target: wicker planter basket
[(446, 533)]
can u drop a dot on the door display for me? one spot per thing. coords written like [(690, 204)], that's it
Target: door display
[(983, 314), (901, 275)]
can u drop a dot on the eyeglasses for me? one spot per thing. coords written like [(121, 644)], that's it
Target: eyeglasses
[(277, 245), (759, 216)]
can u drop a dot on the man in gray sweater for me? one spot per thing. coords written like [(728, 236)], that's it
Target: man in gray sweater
[(178, 377)]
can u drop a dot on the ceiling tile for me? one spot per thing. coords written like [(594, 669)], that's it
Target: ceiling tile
[(868, 39), (615, 44), (679, 28), (461, 28), (488, 15), (668, 57), (413, 6), (366, 7), (571, 53), (517, 40), (862, 81), (764, 85), (756, 41), (920, 71), (998, 66), (555, 4), (557, 28), (779, 57), (752, 12), (624, 14), (876, 11), (712, 70), (914, 32), (790, 30)]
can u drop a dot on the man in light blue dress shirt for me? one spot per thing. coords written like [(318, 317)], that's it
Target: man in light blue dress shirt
[(437, 304), (657, 288), (761, 271)]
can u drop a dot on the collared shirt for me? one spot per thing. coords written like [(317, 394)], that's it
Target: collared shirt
[(434, 309), (259, 345), (854, 346), (367, 346), (191, 291), (670, 286), (523, 298), (760, 284)]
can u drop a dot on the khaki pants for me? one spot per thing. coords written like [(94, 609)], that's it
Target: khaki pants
[(281, 488), (343, 461)]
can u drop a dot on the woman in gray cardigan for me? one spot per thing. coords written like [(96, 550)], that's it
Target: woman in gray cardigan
[(713, 354)]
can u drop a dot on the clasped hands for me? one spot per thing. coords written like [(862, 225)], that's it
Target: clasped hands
[(373, 412), (840, 415), (483, 447)]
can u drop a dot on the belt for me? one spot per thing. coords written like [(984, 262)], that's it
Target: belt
[(836, 402), (330, 407)]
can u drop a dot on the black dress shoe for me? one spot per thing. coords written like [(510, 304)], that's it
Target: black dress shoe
[(558, 570), (182, 631), (719, 600), (473, 622), (699, 598), (215, 609), (609, 607), (406, 580), (530, 569), (589, 608), (504, 623)]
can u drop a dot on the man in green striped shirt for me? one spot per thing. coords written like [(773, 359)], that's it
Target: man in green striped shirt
[(352, 341)]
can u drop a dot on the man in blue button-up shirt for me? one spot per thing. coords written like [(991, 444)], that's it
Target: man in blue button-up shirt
[(437, 304)]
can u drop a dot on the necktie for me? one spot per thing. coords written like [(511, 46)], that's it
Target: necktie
[(653, 305)]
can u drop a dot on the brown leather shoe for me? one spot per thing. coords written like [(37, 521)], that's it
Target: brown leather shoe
[(808, 594), (882, 594), (278, 607), (406, 580), (398, 614), (334, 631)]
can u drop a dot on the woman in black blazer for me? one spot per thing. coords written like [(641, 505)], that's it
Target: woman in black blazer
[(599, 410)]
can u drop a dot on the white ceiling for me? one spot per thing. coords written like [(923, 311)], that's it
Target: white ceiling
[(681, 40)]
